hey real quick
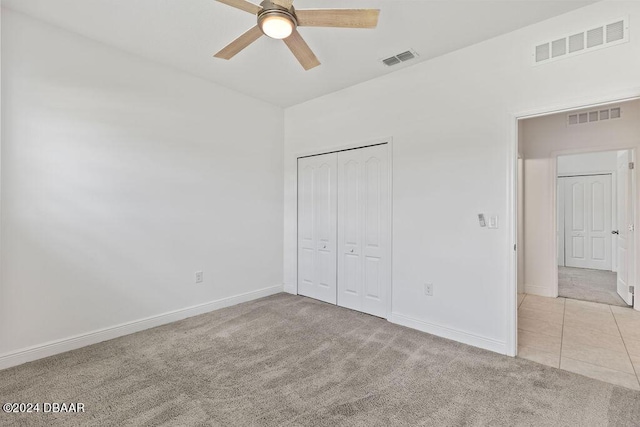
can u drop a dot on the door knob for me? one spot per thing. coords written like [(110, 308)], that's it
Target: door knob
[(615, 232), (324, 247), (351, 250)]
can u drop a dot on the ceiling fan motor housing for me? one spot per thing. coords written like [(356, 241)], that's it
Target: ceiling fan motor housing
[(270, 9)]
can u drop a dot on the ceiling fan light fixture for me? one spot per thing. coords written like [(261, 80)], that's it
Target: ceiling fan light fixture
[(276, 24)]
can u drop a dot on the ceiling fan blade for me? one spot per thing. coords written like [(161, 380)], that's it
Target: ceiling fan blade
[(284, 3), (233, 48), (243, 5), (301, 50), (345, 18)]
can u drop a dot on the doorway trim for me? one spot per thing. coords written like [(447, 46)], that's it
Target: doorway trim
[(345, 147), (514, 118)]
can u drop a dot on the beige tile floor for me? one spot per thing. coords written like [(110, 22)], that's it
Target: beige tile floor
[(595, 340)]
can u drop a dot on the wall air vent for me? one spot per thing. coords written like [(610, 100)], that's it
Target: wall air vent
[(593, 116), (400, 57), (576, 42), (558, 48), (597, 37)]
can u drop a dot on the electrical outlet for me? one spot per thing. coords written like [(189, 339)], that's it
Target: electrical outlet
[(428, 289), (199, 277)]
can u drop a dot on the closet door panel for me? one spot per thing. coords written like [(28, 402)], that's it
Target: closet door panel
[(306, 242), (325, 202), (375, 230), (363, 240), (350, 229), (317, 220)]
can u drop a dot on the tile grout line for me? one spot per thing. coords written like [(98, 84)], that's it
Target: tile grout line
[(608, 309), (524, 330), (608, 381), (564, 310), (521, 301), (625, 345), (538, 320), (590, 327)]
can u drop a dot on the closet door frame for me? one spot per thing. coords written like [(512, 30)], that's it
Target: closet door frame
[(334, 149)]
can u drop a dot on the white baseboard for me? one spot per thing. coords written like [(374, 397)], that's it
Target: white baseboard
[(452, 334), (51, 348), (543, 291)]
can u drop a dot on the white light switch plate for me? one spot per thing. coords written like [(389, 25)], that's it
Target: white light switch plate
[(428, 289), (493, 221)]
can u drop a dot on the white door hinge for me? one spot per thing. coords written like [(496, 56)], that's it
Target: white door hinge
[(632, 290)]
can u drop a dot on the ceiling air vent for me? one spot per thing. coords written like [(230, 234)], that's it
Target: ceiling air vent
[(594, 116), (400, 57), (594, 38), (391, 61)]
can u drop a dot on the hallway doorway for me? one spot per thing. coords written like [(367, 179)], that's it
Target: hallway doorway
[(593, 202)]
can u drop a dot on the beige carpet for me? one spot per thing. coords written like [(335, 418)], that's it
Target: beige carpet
[(286, 360), (589, 285)]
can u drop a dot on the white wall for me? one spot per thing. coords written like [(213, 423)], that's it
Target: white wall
[(120, 179), (543, 138), (450, 119), (589, 163)]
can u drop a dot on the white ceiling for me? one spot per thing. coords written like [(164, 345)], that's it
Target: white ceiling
[(186, 33)]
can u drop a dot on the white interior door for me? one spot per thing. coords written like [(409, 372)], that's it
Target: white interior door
[(560, 221), (623, 235), (317, 210), (364, 270), (588, 222)]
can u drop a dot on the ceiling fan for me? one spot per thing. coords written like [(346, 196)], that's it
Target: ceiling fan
[(278, 19)]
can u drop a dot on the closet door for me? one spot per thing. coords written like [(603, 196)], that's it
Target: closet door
[(317, 210), (364, 270), (588, 222)]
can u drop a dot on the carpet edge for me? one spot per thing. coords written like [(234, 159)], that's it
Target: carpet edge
[(39, 351)]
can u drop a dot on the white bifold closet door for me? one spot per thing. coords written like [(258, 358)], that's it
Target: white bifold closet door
[(364, 230), (317, 222), (588, 222)]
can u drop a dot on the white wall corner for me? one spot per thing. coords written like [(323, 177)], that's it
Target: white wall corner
[(36, 352), (449, 333), (543, 291), (290, 289)]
